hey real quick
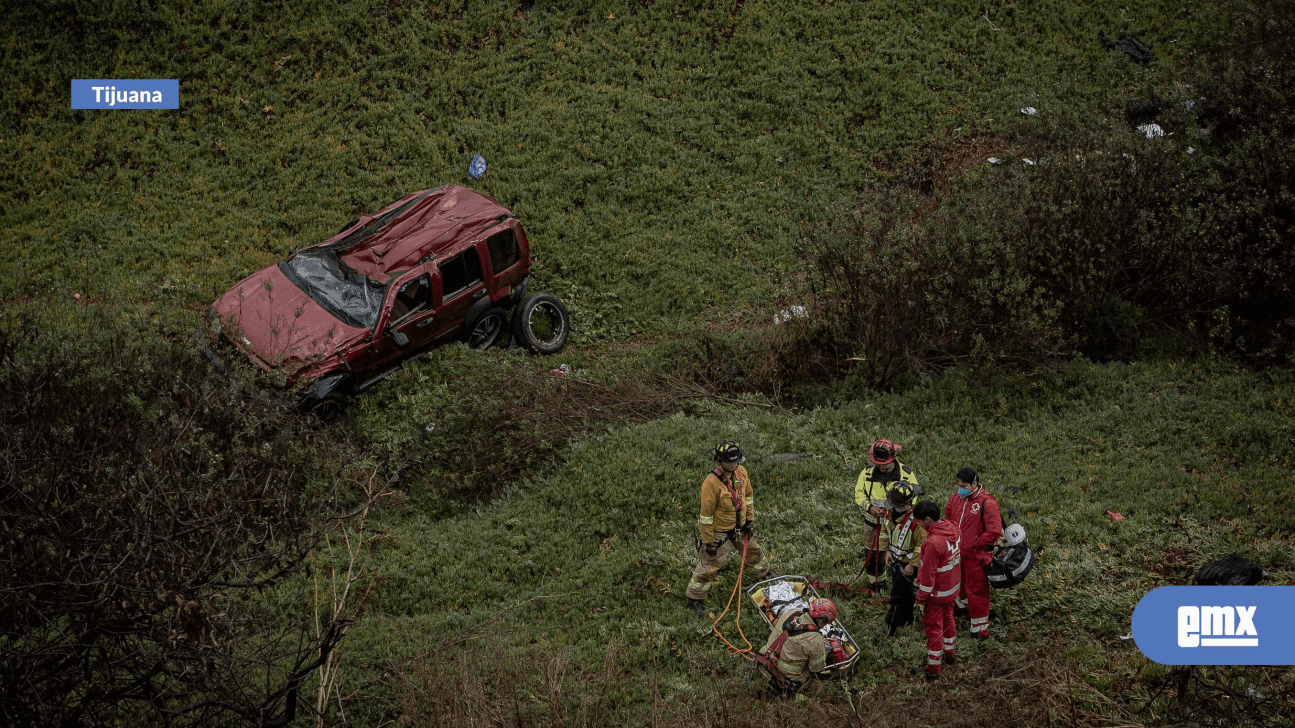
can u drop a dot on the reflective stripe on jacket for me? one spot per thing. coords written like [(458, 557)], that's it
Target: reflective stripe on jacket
[(981, 523), (940, 575), (803, 651), (717, 512), (870, 489), (902, 539)]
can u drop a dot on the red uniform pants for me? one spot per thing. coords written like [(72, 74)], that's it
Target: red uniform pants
[(941, 634), (975, 591)]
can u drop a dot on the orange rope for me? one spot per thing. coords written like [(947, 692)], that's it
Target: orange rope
[(744, 654)]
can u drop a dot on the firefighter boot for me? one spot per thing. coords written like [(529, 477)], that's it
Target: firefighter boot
[(698, 607)]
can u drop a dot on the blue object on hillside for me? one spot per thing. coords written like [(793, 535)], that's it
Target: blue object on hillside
[(477, 169)]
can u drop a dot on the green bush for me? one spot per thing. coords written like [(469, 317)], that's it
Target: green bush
[(1087, 240), (154, 516)]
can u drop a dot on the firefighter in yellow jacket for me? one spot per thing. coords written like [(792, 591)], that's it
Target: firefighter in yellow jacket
[(797, 650), (727, 518), (883, 471)]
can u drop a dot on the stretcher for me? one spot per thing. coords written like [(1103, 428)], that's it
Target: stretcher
[(773, 597)]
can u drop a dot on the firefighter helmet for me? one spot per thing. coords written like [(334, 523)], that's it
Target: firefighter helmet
[(883, 452), (899, 497), (822, 608), (728, 452)]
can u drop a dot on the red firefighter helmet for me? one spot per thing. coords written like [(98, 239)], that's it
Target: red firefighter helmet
[(884, 452), (822, 609)]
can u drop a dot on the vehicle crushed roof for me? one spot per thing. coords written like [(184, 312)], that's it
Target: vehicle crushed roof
[(412, 229)]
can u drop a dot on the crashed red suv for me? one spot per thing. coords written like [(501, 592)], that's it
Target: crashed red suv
[(436, 266)]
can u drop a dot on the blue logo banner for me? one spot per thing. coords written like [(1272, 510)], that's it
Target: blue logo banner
[(1217, 625), (127, 93)]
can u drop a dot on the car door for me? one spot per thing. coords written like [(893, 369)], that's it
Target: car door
[(458, 282), (408, 311)]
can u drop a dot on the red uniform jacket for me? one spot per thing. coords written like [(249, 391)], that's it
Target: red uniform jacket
[(981, 522), (940, 575)]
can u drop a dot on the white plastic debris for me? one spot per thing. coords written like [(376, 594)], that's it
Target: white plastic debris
[(1152, 130), (1191, 150), (1028, 162), (1128, 636), (995, 160), (1029, 111), (786, 315)]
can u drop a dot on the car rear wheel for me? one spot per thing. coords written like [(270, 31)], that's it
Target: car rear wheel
[(488, 329), (541, 323)]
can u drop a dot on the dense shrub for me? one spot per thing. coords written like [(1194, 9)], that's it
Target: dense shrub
[(1096, 242), (153, 520)]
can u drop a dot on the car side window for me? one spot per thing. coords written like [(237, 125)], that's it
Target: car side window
[(411, 298), (503, 250), (460, 273)]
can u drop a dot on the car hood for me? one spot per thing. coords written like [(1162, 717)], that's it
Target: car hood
[(279, 327)]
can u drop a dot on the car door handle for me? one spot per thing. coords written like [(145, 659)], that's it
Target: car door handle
[(425, 322), (479, 294)]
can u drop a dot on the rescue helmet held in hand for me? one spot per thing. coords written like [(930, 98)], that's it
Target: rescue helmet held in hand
[(884, 452), (899, 497), (728, 452), (1013, 534), (822, 609)]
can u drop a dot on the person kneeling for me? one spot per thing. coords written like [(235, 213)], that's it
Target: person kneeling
[(796, 649)]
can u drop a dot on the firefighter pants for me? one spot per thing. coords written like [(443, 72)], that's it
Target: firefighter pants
[(941, 635), (975, 592), (902, 598), (874, 559), (707, 571)]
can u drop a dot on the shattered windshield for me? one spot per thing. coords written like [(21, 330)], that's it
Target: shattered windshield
[(348, 295)]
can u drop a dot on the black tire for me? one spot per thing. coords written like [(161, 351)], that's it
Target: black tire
[(328, 409), (541, 323), (489, 328)]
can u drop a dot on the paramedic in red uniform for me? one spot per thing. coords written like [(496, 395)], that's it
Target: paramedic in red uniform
[(938, 581), (976, 514)]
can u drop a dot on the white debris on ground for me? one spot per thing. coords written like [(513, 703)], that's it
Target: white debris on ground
[(786, 315), (1152, 130), (995, 160), (1029, 111)]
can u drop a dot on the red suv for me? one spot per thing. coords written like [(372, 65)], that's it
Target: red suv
[(436, 266)]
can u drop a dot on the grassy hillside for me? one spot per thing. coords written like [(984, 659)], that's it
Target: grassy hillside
[(663, 157), (589, 563), (661, 154)]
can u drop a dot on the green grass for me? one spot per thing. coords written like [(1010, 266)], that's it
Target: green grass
[(662, 157), (595, 555)]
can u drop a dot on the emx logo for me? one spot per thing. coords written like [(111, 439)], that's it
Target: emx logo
[(1217, 627), (1173, 624)]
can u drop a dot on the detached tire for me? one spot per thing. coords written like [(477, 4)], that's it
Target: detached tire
[(488, 329), (541, 323)]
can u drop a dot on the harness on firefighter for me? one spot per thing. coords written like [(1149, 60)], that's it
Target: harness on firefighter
[(798, 623), (732, 492)]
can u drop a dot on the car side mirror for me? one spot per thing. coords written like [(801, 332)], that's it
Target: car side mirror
[(401, 340)]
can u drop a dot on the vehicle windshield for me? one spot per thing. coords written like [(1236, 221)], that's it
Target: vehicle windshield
[(350, 296)]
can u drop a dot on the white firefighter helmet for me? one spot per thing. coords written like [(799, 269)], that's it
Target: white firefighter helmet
[(1013, 534)]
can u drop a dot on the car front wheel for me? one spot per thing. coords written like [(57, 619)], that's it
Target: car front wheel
[(488, 329), (328, 408), (541, 323)]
